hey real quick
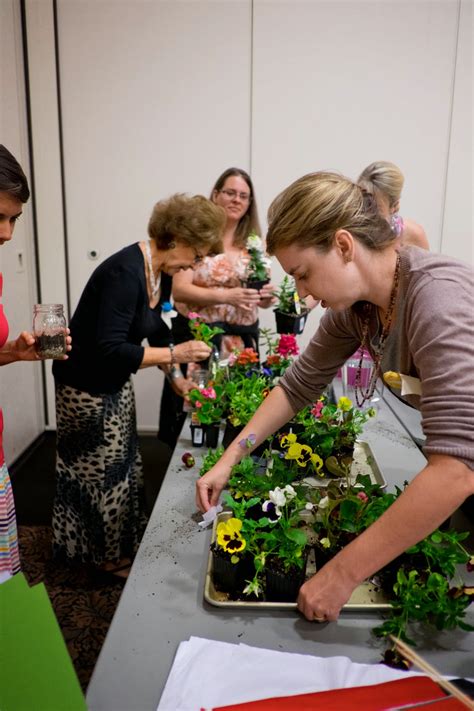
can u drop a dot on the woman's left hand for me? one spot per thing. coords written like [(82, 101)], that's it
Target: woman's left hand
[(321, 598), (182, 386)]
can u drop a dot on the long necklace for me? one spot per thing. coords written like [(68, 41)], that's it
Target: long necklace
[(364, 394), (154, 282)]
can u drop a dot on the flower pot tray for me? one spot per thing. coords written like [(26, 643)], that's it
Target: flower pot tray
[(364, 462), (365, 598)]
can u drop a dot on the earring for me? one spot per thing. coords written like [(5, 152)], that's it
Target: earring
[(347, 258)]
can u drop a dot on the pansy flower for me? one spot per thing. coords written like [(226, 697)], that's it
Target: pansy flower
[(229, 537), (301, 453), (344, 404)]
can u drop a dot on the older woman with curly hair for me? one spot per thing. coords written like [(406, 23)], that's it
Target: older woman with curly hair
[(99, 514)]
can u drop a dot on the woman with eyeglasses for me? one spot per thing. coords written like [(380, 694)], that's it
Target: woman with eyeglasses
[(99, 515), (214, 289)]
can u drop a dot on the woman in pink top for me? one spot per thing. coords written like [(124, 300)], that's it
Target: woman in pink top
[(14, 192), (214, 289)]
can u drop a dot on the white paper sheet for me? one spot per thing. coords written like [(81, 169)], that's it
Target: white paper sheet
[(206, 673)]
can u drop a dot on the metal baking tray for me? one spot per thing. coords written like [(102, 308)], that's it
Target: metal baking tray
[(365, 598), (364, 462)]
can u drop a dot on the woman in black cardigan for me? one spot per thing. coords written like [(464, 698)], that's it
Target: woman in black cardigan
[(99, 514)]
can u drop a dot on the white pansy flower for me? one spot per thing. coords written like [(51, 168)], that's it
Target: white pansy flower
[(323, 503), (309, 506), (290, 493), (277, 497)]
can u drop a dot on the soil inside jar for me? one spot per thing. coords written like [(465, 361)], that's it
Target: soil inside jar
[(51, 346)]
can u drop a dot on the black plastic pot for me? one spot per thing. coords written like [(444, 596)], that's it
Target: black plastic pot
[(281, 586), (256, 284), (227, 576), (290, 323), (212, 436), (197, 435)]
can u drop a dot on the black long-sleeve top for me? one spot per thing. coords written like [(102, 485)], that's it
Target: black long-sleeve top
[(110, 322)]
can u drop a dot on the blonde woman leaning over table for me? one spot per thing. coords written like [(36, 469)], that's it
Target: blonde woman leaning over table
[(384, 180), (214, 289), (413, 311)]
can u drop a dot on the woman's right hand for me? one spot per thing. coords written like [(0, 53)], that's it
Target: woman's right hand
[(191, 352), (245, 299), (209, 486)]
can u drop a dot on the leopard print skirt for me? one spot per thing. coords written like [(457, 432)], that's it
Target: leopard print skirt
[(99, 508)]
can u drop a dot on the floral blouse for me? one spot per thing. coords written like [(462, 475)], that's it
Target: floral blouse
[(224, 271)]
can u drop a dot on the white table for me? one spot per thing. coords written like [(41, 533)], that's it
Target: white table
[(162, 602)]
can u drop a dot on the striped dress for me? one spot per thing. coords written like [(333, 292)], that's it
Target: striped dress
[(9, 556)]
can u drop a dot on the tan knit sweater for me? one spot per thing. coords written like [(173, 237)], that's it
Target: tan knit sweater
[(433, 340)]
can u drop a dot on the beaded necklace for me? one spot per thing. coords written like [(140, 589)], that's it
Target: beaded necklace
[(154, 281), (363, 394)]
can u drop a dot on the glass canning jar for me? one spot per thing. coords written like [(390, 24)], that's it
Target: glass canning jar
[(49, 330)]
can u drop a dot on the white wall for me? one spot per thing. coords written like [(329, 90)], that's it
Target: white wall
[(160, 96), (20, 383)]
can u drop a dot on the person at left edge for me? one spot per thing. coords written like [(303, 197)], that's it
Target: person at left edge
[(99, 514), (14, 192)]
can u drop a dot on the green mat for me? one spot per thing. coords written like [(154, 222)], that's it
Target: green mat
[(36, 672)]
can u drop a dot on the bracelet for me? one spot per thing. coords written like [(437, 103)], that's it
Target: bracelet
[(173, 359)]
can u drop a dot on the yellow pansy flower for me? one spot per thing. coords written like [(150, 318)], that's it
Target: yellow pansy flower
[(288, 440), (344, 404), (228, 535), (301, 453)]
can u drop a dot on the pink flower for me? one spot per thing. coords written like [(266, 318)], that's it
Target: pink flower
[(287, 345), (363, 496), (317, 408), (232, 358), (193, 315), (198, 404), (210, 393)]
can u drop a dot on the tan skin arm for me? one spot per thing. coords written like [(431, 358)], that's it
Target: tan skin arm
[(23, 348), (432, 496), (185, 291), (188, 352), (274, 412)]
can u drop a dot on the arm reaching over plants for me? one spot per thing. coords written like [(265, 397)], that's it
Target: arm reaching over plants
[(274, 412), (433, 495)]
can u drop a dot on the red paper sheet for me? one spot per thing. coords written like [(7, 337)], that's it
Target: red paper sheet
[(377, 697)]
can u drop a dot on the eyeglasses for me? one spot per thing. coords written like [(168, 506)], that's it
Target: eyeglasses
[(232, 194)]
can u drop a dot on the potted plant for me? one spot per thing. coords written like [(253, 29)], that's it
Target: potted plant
[(279, 517), (331, 429), (258, 266), (423, 585), (281, 350), (244, 396), (290, 312), (209, 404)]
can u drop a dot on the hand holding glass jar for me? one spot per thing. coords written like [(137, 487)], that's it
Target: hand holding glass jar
[(50, 331)]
